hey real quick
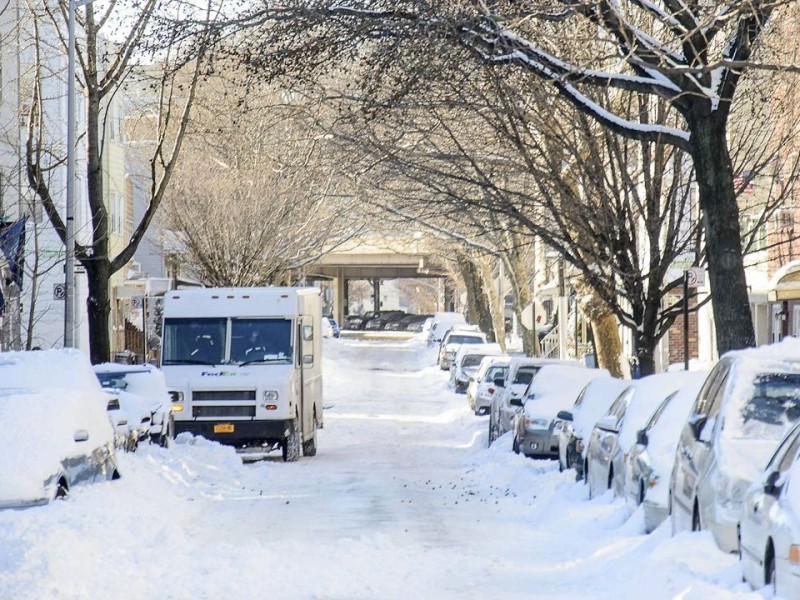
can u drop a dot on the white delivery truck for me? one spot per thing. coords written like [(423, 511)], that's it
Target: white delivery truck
[(244, 366)]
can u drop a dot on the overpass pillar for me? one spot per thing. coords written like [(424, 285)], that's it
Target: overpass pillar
[(339, 296)]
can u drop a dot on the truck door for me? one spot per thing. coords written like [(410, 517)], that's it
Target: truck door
[(307, 368)]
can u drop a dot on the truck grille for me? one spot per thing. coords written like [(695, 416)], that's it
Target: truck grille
[(224, 395), (223, 411)]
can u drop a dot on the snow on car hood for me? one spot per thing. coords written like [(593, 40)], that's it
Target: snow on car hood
[(37, 432)]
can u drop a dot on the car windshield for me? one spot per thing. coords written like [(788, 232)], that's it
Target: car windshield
[(774, 404), (464, 339), (204, 341), (472, 360)]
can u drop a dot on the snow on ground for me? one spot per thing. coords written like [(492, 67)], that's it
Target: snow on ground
[(403, 501)]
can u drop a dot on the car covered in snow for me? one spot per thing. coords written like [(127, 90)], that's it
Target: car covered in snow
[(770, 522), (615, 433), (454, 339), (481, 387), (466, 362), (743, 411), (649, 463), (441, 323), (577, 423), (507, 399), (554, 389), (143, 396), (54, 428)]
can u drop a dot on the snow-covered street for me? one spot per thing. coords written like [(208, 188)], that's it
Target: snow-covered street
[(403, 501)]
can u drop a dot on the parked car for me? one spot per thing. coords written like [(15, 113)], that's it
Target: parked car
[(330, 328), (380, 319), (507, 400), (419, 325), (453, 340), (554, 389), (481, 387), (441, 323), (353, 322), (742, 412), (143, 396), (466, 362), (614, 434), (591, 404), (54, 429), (770, 523), (650, 460)]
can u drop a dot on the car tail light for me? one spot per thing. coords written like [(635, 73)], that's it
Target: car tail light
[(794, 555), (491, 390)]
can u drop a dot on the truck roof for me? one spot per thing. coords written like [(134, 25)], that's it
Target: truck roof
[(244, 302)]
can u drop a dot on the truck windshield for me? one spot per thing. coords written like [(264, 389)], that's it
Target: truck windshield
[(194, 341), (203, 341), (261, 340)]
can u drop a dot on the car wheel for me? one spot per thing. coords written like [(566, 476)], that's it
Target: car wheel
[(696, 525), (310, 446), (515, 445), (291, 445), (769, 568)]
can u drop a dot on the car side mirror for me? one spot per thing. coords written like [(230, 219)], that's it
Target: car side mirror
[(771, 484), (499, 382), (641, 437), (608, 423), (81, 435), (564, 415), (696, 424), (515, 401)]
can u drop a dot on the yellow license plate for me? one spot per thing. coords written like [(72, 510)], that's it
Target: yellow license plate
[(223, 428)]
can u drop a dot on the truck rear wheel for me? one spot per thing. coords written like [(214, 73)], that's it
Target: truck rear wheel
[(291, 445), (310, 446)]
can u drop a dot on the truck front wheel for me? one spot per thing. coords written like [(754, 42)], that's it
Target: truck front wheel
[(291, 444)]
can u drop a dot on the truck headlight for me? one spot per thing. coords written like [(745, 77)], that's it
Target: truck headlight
[(270, 395), (536, 423), (175, 396)]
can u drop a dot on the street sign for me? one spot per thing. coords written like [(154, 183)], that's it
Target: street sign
[(59, 291), (696, 276)]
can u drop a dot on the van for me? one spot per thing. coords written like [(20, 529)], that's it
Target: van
[(244, 366)]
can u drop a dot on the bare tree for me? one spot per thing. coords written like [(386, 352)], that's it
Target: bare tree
[(112, 45), (254, 200), (691, 56)]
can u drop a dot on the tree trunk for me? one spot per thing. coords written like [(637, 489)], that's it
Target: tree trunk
[(518, 277), (493, 299), (478, 307), (605, 330), (98, 307), (733, 320)]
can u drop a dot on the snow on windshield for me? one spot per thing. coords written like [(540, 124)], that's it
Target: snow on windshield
[(555, 388), (599, 396)]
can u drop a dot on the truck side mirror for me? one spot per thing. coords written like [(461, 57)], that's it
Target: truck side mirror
[(696, 424), (308, 333), (515, 401)]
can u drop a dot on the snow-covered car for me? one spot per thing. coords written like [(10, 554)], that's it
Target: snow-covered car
[(466, 362), (507, 399), (54, 428), (744, 409), (330, 328), (143, 396), (591, 404), (481, 387), (554, 389), (441, 323), (454, 339), (770, 523), (650, 459), (614, 434)]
